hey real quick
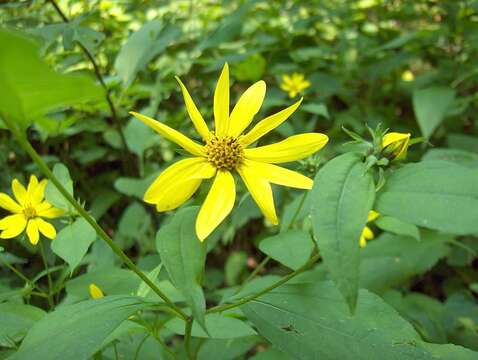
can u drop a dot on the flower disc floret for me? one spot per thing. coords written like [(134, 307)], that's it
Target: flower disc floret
[(224, 153)]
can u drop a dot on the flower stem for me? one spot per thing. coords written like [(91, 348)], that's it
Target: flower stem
[(278, 283), (187, 338), (25, 144), (48, 275), (126, 153)]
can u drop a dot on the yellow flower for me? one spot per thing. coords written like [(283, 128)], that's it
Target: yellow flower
[(395, 145), (28, 211), (95, 292), (225, 150), (294, 84), (367, 233), (407, 76)]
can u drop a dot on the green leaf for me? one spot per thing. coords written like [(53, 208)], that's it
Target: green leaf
[(430, 106), (396, 226), (219, 327), (77, 331), (235, 266), (342, 196), (389, 260), (112, 281), (313, 321), (291, 248), (142, 46), (16, 320), (435, 194), (462, 157), (30, 88), (144, 289), (226, 349), (73, 242), (184, 256), (317, 109), (52, 195)]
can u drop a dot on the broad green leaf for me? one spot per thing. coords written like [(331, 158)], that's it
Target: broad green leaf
[(142, 46), (16, 320), (342, 196), (30, 88), (133, 186), (462, 157), (389, 260), (52, 195), (434, 194), (291, 248), (112, 281), (430, 106), (219, 326), (312, 321), (316, 109), (73, 241), (226, 349), (184, 256), (396, 226), (77, 331)]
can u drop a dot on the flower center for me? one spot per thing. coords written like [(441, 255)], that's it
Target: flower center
[(29, 212), (225, 153)]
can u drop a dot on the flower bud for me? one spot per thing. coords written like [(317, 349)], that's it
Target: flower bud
[(395, 145)]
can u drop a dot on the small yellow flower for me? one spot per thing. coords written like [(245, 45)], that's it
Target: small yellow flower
[(367, 233), (407, 76), (294, 84), (95, 292), (395, 145), (227, 149), (28, 211)]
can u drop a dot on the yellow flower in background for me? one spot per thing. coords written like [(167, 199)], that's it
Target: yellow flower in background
[(227, 149), (28, 211), (407, 76), (395, 145), (95, 292), (367, 233), (294, 84)]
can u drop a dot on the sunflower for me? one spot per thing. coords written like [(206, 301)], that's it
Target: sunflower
[(28, 211), (226, 150)]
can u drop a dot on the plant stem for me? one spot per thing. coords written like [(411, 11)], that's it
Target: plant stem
[(126, 153), (187, 338), (48, 275), (278, 283), (25, 144), (15, 271)]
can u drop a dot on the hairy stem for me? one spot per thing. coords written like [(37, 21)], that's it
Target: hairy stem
[(25, 144), (48, 275)]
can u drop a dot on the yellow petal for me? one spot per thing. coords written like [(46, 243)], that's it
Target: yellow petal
[(95, 292), (221, 102), (32, 231), (293, 148), (268, 124), (367, 233), (12, 226), (178, 182), (372, 215), (46, 228), (393, 137), (171, 134), (218, 204), (279, 175), (19, 191), (7, 203), (32, 184), (260, 190), (194, 113), (38, 193), (362, 241), (246, 108), (46, 210)]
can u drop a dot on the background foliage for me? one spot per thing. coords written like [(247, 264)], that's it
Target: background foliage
[(408, 65)]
